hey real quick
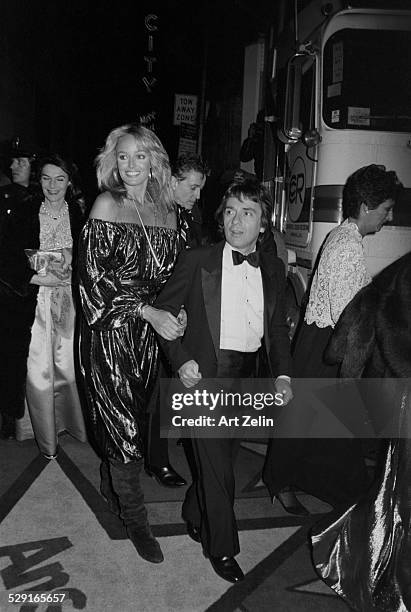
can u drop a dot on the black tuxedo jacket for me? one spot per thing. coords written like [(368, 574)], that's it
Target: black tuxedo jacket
[(196, 284)]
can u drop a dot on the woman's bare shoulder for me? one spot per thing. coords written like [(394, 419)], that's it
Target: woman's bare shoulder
[(105, 207)]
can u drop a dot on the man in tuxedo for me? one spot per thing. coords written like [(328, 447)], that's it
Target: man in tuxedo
[(234, 298)]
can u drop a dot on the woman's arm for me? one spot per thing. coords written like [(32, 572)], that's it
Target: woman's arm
[(164, 323), (104, 208), (173, 295)]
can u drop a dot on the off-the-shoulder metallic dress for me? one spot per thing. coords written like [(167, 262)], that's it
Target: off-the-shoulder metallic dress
[(118, 350)]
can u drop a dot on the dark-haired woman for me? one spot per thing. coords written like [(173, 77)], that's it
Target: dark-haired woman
[(332, 470), (51, 390), (127, 251)]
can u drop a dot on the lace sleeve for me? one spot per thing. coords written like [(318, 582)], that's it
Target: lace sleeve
[(347, 275)]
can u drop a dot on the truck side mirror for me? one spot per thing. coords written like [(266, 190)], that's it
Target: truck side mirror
[(299, 96), (292, 126)]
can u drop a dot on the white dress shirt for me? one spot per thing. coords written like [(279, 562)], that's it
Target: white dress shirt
[(242, 305)]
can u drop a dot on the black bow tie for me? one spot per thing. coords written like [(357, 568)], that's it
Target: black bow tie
[(252, 258)]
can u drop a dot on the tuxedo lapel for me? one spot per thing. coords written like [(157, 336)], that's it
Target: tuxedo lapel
[(269, 290), (211, 274)]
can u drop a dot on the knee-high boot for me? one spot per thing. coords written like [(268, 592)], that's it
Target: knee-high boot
[(106, 488), (125, 478)]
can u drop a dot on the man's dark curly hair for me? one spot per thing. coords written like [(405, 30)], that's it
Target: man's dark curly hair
[(247, 189), (371, 185), (187, 163)]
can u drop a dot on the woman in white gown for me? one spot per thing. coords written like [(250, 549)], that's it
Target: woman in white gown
[(51, 389)]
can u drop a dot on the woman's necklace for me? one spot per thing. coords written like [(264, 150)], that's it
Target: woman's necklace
[(137, 203), (145, 232), (53, 215)]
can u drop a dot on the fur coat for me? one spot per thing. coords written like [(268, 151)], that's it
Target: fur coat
[(373, 335)]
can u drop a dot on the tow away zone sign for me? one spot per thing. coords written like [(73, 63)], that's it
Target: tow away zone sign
[(185, 109)]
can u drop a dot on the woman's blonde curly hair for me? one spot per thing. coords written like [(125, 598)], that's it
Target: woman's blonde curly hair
[(108, 178)]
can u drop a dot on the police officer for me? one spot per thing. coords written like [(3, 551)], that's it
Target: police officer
[(17, 303)]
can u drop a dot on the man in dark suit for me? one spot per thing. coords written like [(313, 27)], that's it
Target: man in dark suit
[(189, 173), (234, 298)]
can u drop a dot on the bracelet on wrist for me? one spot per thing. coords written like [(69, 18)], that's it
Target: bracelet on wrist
[(140, 310)]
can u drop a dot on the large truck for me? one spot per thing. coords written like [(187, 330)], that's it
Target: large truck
[(334, 85)]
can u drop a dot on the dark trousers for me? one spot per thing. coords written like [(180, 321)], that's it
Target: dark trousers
[(209, 502), (156, 447)]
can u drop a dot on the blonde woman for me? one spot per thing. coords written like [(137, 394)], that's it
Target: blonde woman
[(127, 251)]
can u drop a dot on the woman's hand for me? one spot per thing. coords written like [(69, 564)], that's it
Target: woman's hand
[(164, 323), (51, 280), (67, 259)]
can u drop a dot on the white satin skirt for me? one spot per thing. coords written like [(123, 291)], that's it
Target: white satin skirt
[(51, 391)]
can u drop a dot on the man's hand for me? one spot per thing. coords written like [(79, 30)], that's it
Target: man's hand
[(189, 373), (284, 387), (182, 317), (164, 323)]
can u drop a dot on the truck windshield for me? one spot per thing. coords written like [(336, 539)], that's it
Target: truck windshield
[(367, 80)]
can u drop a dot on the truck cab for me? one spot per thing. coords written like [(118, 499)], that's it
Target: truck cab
[(339, 98)]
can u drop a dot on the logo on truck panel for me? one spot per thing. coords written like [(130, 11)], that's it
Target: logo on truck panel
[(296, 190)]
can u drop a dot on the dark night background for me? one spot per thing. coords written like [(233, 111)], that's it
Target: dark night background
[(73, 70)]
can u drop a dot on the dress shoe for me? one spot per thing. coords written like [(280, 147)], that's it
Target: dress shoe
[(166, 476), (291, 504), (227, 568), (49, 457), (7, 435), (193, 532)]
